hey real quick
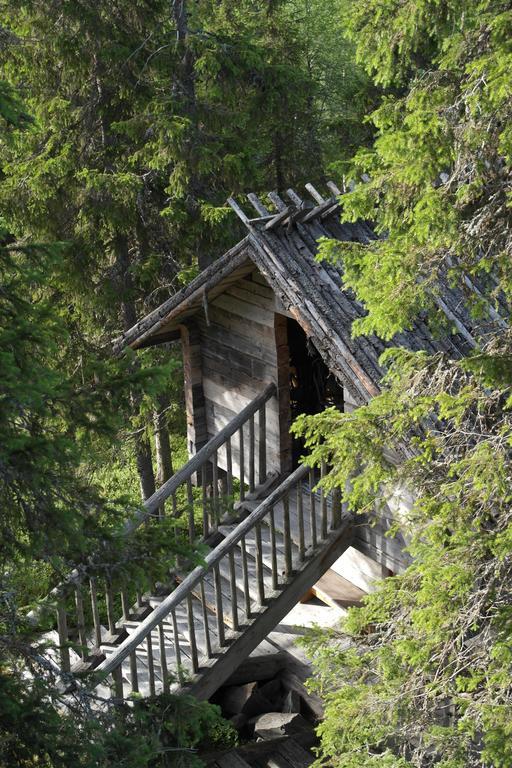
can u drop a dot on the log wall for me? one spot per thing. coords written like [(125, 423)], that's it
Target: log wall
[(238, 358)]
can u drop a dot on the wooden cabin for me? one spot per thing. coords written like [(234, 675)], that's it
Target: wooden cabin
[(266, 334), (268, 311)]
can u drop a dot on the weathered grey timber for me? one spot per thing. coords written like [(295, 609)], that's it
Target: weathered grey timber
[(248, 583), (283, 249), (68, 597), (247, 324)]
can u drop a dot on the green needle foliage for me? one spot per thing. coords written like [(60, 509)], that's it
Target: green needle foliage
[(420, 675), (53, 517)]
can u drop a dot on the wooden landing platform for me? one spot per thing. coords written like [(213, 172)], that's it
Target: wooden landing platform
[(336, 591)]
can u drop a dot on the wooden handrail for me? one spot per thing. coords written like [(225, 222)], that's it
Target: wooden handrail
[(155, 501), (194, 577), (151, 505)]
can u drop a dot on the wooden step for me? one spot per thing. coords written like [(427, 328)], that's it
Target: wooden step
[(241, 644), (336, 591), (231, 760), (295, 755)]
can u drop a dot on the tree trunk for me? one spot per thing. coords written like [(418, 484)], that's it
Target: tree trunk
[(143, 457), (144, 467), (163, 452)]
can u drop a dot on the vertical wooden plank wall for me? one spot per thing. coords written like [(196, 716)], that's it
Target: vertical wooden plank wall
[(238, 358)]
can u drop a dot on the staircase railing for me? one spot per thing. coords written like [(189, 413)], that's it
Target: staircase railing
[(84, 605), (163, 617)]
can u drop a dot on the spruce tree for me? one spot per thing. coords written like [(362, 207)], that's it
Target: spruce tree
[(426, 678)]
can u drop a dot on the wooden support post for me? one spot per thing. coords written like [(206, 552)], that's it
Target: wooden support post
[(312, 508), (163, 658), (117, 676), (283, 392), (259, 564), (300, 513), (133, 672), (323, 501), (62, 630), (204, 501), (336, 508), (242, 463), (262, 444), (125, 606), (109, 599), (215, 489), (190, 510), (273, 548), (245, 578), (177, 649), (229, 468), (95, 612), (197, 433), (192, 633), (232, 587), (151, 665), (80, 622), (218, 605), (251, 454), (287, 536), (205, 621)]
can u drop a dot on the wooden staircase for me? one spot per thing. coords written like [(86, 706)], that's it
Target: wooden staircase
[(270, 539), (195, 636)]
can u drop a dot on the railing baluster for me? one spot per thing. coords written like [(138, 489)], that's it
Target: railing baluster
[(287, 536), (133, 672), (204, 501), (95, 612), (251, 454), (163, 657), (300, 513), (323, 502), (109, 599), (192, 633), (151, 665), (242, 463), (273, 546), (218, 606), (245, 578), (229, 467), (312, 508), (62, 630), (215, 488), (80, 622), (336, 508), (177, 650), (183, 594), (125, 606), (140, 602), (232, 585), (262, 448), (190, 505), (174, 505), (117, 676), (206, 625), (259, 564)]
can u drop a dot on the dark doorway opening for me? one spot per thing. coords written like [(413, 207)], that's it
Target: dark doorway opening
[(313, 388)]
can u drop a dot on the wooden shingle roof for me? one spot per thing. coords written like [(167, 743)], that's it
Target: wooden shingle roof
[(282, 244)]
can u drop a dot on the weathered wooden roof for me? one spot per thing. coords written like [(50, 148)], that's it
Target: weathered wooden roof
[(283, 244)]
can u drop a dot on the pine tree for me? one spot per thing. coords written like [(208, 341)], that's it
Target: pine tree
[(425, 680)]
